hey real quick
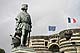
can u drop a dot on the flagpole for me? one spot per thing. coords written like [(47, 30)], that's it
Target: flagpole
[(67, 23)]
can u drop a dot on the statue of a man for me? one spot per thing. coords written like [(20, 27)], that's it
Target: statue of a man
[(23, 24)]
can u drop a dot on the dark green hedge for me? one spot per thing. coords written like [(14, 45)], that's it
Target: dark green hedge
[(2, 50)]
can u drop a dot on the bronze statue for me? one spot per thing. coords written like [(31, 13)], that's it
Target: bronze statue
[(23, 27)]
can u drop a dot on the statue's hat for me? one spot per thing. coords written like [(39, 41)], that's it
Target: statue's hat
[(24, 6)]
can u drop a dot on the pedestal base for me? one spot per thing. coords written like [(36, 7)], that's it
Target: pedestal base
[(23, 50)]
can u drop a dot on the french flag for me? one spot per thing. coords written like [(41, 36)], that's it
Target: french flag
[(72, 20)]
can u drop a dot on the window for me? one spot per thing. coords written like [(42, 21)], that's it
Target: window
[(53, 41), (46, 43)]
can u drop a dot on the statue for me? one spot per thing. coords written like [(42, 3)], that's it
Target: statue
[(23, 27), (68, 34)]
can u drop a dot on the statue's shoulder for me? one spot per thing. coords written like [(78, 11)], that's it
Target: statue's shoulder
[(20, 13), (28, 14)]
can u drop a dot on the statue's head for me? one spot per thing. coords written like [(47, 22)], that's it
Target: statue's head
[(24, 7)]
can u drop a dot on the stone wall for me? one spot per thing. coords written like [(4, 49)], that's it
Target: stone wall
[(57, 43), (73, 44)]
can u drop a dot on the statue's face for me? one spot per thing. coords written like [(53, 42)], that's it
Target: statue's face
[(26, 8)]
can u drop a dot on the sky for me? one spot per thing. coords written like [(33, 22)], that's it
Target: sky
[(43, 13)]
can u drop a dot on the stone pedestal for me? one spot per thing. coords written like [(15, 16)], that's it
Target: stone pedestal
[(23, 50)]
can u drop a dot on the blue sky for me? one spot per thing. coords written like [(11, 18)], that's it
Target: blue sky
[(43, 13)]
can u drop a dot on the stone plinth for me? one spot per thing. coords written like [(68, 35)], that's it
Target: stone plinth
[(23, 50)]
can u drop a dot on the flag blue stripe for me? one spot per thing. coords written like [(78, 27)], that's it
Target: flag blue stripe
[(69, 20)]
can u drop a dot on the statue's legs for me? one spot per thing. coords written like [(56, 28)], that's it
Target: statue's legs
[(24, 37)]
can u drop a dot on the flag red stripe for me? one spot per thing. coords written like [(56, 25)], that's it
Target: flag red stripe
[(74, 20)]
